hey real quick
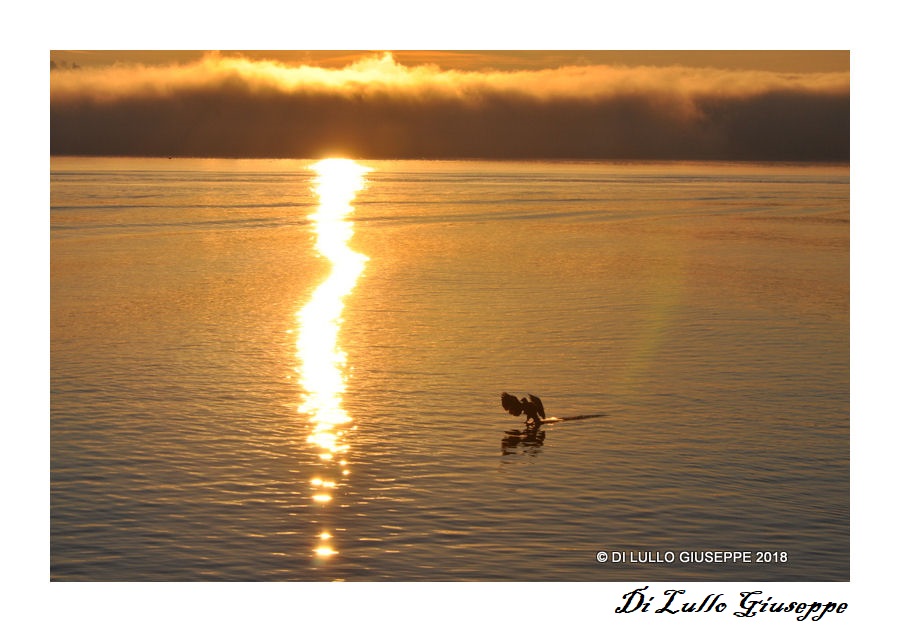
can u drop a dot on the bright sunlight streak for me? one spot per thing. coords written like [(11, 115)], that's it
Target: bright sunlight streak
[(322, 362)]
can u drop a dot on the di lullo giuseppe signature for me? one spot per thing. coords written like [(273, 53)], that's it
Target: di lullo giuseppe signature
[(751, 604)]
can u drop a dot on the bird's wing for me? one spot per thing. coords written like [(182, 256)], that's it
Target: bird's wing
[(510, 403), (538, 403)]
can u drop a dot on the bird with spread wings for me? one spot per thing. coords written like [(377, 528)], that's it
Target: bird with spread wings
[(532, 407)]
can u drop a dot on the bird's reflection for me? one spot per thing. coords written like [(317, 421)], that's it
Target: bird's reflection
[(528, 441)]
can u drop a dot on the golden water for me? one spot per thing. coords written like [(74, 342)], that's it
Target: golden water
[(273, 370)]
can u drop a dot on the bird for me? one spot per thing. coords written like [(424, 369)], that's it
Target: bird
[(533, 407)]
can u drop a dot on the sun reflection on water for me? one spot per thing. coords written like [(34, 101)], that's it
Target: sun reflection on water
[(322, 362)]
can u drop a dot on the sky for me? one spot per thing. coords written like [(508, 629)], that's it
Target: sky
[(774, 60), (733, 105)]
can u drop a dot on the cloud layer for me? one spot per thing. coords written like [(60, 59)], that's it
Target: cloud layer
[(377, 108)]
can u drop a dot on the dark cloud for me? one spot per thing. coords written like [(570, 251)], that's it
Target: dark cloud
[(435, 114)]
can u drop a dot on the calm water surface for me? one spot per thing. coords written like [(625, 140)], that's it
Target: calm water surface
[(207, 424)]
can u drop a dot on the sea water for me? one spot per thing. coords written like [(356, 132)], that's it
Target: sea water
[(696, 313)]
